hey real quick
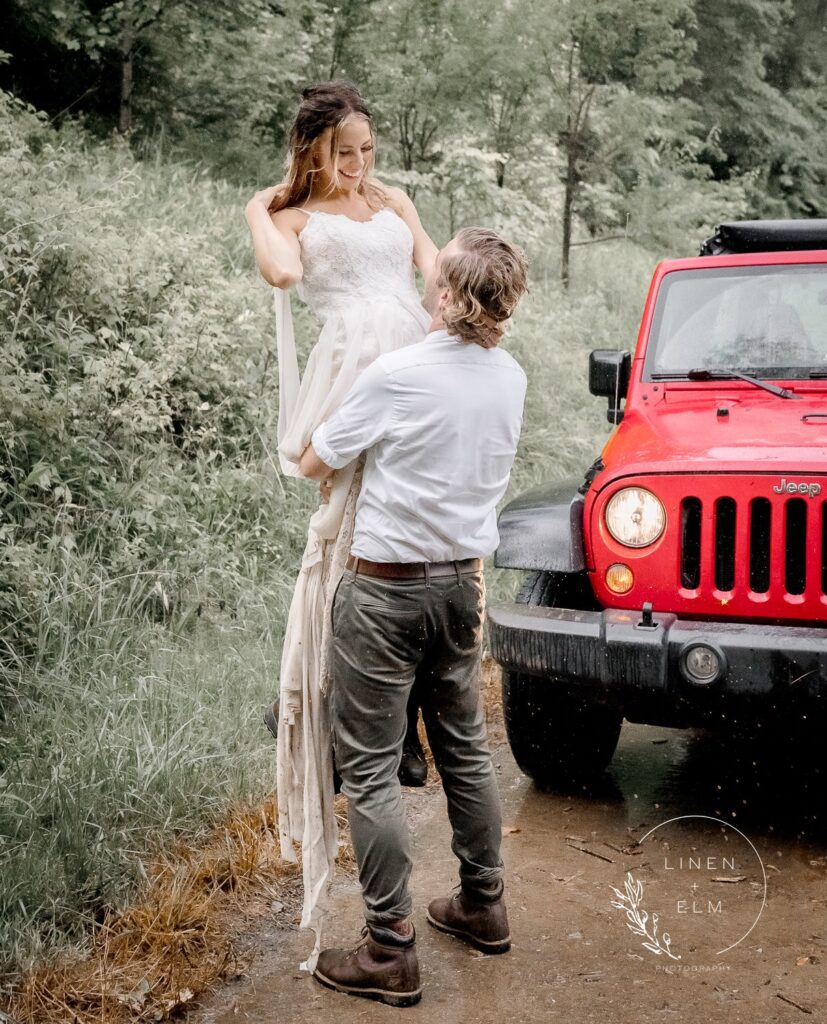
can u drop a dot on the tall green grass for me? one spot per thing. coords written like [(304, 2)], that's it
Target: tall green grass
[(147, 559)]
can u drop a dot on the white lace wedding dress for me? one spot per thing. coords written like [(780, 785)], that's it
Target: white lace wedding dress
[(358, 279)]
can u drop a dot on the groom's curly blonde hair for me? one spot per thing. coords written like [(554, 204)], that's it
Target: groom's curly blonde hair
[(486, 280)]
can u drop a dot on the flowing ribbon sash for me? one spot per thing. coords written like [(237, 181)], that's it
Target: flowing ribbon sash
[(289, 379)]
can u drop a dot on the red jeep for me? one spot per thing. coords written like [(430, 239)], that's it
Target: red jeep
[(684, 582)]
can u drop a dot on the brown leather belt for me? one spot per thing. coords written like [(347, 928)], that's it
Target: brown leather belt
[(412, 570)]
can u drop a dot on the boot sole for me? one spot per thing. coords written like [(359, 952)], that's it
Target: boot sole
[(500, 946), (380, 994)]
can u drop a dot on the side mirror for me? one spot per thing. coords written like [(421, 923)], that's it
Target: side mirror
[(609, 377)]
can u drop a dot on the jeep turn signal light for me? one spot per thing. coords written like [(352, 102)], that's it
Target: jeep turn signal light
[(619, 578)]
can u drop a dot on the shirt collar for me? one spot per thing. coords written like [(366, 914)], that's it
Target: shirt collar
[(439, 335)]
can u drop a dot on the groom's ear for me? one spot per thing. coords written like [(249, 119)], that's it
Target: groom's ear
[(443, 298)]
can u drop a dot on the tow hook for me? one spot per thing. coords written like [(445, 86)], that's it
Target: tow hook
[(646, 622)]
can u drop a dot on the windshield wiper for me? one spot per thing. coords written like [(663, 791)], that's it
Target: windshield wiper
[(727, 375), (737, 375)]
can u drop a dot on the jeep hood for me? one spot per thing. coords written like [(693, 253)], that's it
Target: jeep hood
[(688, 430)]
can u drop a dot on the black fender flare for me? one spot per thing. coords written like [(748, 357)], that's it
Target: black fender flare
[(543, 529)]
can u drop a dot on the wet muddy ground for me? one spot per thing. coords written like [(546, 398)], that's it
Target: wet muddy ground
[(574, 956)]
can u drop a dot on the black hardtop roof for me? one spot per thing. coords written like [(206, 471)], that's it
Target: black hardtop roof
[(766, 236)]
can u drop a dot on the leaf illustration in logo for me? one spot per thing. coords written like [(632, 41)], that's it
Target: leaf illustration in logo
[(637, 918)]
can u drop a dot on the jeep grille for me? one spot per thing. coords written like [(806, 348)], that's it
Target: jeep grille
[(736, 546), (727, 545)]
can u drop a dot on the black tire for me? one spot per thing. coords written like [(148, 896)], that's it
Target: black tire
[(560, 736)]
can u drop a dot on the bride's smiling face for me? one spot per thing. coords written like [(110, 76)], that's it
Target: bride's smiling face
[(347, 168)]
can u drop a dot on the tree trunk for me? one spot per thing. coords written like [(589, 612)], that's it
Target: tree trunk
[(127, 69), (570, 137), (568, 207), (407, 121)]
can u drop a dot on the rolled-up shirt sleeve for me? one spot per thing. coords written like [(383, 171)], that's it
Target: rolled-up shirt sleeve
[(360, 421)]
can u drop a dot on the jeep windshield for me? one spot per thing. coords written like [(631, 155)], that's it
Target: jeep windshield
[(767, 321)]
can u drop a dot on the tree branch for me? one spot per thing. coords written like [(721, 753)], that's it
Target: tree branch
[(605, 238)]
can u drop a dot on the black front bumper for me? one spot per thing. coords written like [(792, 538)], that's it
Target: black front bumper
[(614, 652)]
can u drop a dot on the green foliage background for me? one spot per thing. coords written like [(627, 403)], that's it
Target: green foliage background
[(148, 543)]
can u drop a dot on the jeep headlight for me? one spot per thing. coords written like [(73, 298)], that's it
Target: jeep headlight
[(635, 517)]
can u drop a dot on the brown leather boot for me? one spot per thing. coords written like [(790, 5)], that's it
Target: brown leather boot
[(383, 966), (482, 923)]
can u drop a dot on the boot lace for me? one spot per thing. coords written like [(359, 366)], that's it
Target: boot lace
[(365, 935)]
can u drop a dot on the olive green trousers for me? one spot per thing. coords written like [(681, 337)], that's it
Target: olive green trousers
[(387, 636)]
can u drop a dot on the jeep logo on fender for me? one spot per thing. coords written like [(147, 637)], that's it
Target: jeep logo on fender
[(791, 487)]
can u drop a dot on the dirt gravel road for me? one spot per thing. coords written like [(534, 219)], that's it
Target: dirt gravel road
[(574, 956)]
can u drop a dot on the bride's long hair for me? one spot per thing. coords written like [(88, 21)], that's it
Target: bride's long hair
[(323, 106)]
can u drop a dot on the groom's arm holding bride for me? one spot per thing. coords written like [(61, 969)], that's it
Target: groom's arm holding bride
[(358, 424)]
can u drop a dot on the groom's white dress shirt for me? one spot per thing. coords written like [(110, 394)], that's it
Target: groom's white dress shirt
[(440, 421)]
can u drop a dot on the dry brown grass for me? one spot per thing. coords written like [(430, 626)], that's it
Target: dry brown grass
[(148, 961), (492, 699)]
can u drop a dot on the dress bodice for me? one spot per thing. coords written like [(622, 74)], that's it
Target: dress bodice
[(358, 280), (346, 261)]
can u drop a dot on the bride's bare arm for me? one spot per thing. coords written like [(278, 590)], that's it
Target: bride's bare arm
[(425, 252), (275, 240)]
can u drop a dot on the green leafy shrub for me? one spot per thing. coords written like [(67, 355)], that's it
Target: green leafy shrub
[(135, 375), (148, 544)]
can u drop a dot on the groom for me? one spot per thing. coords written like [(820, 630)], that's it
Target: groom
[(440, 422)]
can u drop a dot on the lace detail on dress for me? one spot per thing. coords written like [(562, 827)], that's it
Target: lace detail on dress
[(346, 260), (358, 278)]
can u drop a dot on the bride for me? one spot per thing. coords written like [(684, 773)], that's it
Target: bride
[(348, 244)]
